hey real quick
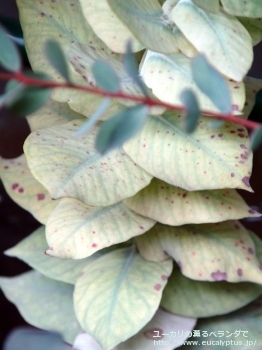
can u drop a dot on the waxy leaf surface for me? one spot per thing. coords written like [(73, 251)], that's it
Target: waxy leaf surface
[(43, 303), (208, 252), (254, 27), (146, 21), (24, 189), (211, 158), (70, 167), (232, 53), (174, 206), (168, 76), (246, 8), (129, 290), (32, 249), (76, 230), (210, 5), (186, 297)]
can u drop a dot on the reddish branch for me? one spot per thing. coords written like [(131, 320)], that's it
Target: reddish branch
[(19, 76)]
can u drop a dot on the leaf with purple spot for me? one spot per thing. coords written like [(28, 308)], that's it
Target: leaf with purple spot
[(24, 189), (190, 298), (129, 289), (174, 206), (70, 167), (208, 252)]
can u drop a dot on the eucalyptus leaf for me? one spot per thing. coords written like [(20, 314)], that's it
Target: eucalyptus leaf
[(250, 8), (105, 76), (9, 57), (120, 128), (192, 110), (129, 289), (33, 294), (55, 55), (212, 83), (210, 5), (256, 138)]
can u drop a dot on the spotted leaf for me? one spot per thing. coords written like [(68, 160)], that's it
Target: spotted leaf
[(24, 189), (211, 158), (70, 167), (207, 252), (247, 8), (174, 206), (129, 290)]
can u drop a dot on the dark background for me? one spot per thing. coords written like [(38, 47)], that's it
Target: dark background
[(15, 223)]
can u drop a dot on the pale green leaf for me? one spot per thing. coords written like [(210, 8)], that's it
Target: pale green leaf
[(184, 44), (52, 113), (212, 83), (252, 86), (115, 33), (210, 5), (56, 57), (158, 333), (105, 76), (9, 57), (254, 27), (207, 252), (146, 21), (244, 325), (190, 298), (232, 53), (76, 230), (31, 250), (168, 76), (129, 290), (192, 114), (168, 6), (120, 128), (245, 8), (70, 167), (24, 189), (208, 159), (43, 303), (174, 206)]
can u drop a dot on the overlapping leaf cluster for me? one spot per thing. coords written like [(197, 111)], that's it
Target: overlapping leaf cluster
[(151, 224)]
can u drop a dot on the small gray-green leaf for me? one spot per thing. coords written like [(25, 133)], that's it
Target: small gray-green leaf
[(105, 76), (256, 138), (9, 56), (56, 57), (120, 128), (192, 110), (211, 83)]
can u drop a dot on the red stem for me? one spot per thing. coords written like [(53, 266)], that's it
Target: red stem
[(148, 101)]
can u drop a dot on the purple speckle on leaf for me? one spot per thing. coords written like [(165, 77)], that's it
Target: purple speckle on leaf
[(245, 180), (251, 251), (157, 287), (219, 276), (240, 272), (14, 186)]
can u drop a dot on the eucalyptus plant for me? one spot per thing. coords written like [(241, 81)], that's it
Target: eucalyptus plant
[(132, 167)]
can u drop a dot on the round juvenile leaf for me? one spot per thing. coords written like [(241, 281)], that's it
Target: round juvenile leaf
[(190, 298), (211, 83), (70, 167), (9, 57), (168, 76), (32, 249), (250, 8), (34, 294), (76, 230), (208, 159), (159, 332), (146, 21), (129, 290), (56, 57), (254, 27), (24, 189), (174, 206), (120, 128), (207, 252), (234, 60)]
